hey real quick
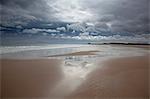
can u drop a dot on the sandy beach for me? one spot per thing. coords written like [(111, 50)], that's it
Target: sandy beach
[(29, 78), (124, 77), (118, 78), (74, 49)]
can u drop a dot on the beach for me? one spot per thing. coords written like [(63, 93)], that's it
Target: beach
[(112, 81), (85, 72)]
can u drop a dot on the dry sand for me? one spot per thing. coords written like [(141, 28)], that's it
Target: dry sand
[(117, 78)]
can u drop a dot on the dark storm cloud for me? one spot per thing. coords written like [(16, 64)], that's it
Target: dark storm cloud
[(123, 15), (117, 15), (23, 11)]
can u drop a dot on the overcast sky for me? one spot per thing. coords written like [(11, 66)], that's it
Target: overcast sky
[(117, 15)]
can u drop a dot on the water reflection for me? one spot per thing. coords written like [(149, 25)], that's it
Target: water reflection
[(77, 67)]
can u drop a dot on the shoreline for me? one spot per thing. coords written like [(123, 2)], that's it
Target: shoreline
[(82, 50), (125, 43), (78, 77)]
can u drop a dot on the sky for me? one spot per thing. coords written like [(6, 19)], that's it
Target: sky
[(76, 17)]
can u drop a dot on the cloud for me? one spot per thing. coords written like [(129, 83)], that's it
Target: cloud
[(86, 27), (101, 26), (70, 11), (19, 27), (35, 30), (91, 29), (16, 12), (114, 38), (62, 29), (127, 12), (79, 27), (113, 15)]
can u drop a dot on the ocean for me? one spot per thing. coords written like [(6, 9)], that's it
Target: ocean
[(31, 40), (39, 46)]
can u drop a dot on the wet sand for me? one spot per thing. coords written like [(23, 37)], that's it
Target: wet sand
[(147, 47), (80, 53), (37, 78), (123, 78), (29, 78)]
